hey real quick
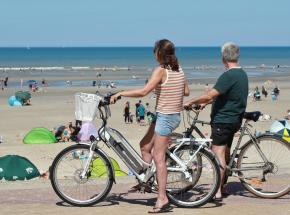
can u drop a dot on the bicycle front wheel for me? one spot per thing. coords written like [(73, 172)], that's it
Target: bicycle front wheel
[(264, 168), (203, 184), (70, 186)]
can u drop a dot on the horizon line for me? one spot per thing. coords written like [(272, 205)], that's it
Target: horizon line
[(246, 46)]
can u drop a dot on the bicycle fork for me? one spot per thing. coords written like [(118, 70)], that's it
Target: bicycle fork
[(88, 162)]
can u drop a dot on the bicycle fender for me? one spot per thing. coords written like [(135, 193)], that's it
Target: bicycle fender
[(105, 155)]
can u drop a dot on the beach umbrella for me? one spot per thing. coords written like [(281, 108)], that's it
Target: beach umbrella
[(31, 82), (14, 167), (98, 168), (22, 96), (12, 101), (39, 136), (281, 127)]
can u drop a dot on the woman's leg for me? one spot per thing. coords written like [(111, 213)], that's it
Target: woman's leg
[(146, 144), (160, 147)]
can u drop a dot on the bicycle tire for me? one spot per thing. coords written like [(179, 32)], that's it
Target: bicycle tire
[(253, 183), (179, 195), (70, 152)]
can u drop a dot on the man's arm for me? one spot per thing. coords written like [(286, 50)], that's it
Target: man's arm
[(203, 99)]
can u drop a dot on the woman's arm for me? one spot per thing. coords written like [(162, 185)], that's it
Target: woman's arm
[(156, 78)]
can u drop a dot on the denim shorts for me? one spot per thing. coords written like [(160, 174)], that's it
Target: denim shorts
[(166, 123)]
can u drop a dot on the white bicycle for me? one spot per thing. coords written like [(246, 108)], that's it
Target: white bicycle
[(83, 174)]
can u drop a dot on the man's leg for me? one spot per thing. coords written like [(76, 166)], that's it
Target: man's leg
[(227, 159), (228, 154), (220, 152), (160, 147), (146, 144)]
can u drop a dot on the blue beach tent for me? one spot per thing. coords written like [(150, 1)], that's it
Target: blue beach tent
[(12, 101)]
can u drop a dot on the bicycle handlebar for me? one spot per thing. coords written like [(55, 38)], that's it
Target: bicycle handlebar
[(107, 99)]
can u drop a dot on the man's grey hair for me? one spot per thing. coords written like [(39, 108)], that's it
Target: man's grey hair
[(230, 52)]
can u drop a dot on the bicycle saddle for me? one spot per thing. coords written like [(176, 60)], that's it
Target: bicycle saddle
[(252, 115)]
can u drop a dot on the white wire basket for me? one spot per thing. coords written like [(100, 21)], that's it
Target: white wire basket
[(86, 106)]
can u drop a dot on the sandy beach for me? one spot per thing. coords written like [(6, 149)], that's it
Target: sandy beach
[(55, 106)]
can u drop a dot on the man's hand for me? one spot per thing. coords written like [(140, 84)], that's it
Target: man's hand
[(202, 106)]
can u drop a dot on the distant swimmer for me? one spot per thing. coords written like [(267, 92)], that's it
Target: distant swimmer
[(68, 83)]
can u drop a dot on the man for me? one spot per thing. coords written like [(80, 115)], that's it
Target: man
[(141, 113), (136, 112), (229, 101)]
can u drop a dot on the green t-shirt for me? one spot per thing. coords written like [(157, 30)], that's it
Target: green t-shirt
[(229, 106)]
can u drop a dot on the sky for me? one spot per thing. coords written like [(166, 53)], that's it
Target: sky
[(94, 23)]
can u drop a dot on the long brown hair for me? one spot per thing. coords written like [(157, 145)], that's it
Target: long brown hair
[(165, 49)]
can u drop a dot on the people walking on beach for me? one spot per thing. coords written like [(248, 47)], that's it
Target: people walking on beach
[(257, 94), (167, 79), (141, 113), (264, 91), (6, 82), (229, 101), (275, 92), (127, 112), (136, 111)]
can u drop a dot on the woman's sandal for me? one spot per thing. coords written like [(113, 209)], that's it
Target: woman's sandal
[(164, 209), (216, 199)]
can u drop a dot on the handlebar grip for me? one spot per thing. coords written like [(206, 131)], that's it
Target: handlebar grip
[(193, 107), (196, 107)]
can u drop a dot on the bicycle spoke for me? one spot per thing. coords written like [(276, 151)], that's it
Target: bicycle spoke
[(270, 179), (67, 179), (203, 185)]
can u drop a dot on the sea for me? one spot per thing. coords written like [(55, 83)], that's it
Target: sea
[(130, 65)]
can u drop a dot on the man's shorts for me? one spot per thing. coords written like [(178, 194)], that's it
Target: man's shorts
[(223, 133), (166, 123)]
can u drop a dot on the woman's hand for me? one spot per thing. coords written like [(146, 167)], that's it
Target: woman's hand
[(114, 98), (187, 105)]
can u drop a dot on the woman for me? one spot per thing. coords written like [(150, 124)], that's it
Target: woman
[(127, 112), (170, 86)]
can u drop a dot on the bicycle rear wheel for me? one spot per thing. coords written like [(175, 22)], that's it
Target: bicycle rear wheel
[(193, 193), (70, 187), (270, 179)]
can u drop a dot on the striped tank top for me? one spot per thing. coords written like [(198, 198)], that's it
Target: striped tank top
[(170, 93)]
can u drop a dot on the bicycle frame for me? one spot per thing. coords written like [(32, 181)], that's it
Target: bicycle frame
[(142, 170), (244, 131)]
